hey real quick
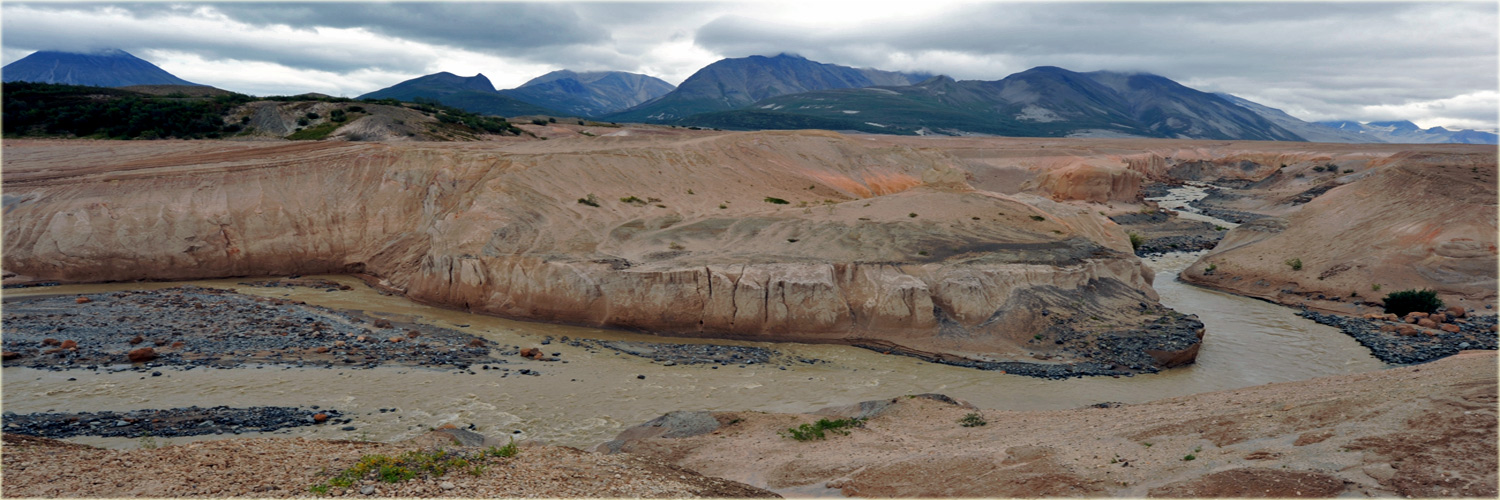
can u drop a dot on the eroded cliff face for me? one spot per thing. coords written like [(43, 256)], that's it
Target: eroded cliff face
[(1414, 220), (803, 236)]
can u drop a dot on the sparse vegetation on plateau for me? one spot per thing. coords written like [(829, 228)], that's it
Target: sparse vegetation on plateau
[(1407, 301), (819, 429), (1295, 263), (589, 200), (972, 420), (777, 201)]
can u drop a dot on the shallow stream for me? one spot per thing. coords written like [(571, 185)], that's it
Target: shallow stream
[(594, 396)]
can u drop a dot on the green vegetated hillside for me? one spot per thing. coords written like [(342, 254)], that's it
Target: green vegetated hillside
[(1041, 102), (50, 110)]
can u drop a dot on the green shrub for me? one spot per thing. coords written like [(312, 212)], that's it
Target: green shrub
[(590, 200), (1136, 240), (972, 420), (912, 215), (538, 121), (311, 115), (1406, 301), (1295, 263), (816, 430), (777, 201), (507, 451), (1038, 218), (632, 199)]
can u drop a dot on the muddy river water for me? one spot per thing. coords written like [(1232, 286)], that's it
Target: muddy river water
[(595, 395)]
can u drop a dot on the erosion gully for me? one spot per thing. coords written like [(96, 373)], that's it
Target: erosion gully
[(595, 395)]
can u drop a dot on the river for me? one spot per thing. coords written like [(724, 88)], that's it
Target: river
[(595, 395)]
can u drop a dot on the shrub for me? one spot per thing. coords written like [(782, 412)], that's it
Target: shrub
[(507, 451), (1038, 218), (538, 121), (356, 109), (551, 120), (244, 120), (1406, 301), (590, 200), (1295, 263), (632, 199), (1136, 240), (311, 115), (912, 215), (777, 201), (972, 420), (302, 122), (815, 430)]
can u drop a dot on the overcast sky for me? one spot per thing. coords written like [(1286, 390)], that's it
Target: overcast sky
[(1432, 63)]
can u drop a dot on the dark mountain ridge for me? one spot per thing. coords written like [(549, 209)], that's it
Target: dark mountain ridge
[(106, 68)]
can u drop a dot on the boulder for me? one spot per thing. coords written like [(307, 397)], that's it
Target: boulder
[(69, 344), (50, 341), (138, 339), (1450, 328), (476, 343), (1406, 330), (1426, 323), (382, 323), (1438, 318), (9, 355), (1456, 311), (141, 355), (82, 300), (320, 418), (531, 352), (411, 334)]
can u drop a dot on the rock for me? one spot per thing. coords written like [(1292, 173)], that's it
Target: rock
[(1406, 330), (1426, 323), (1415, 314), (530, 352), (138, 339), (178, 344), (395, 339), (51, 341), (159, 342), (141, 355), (82, 300), (361, 338), (1388, 328), (447, 426), (383, 323), (476, 343), (9, 355), (320, 350), (1450, 328), (320, 417), (1438, 318), (1456, 311), (338, 343), (367, 490), (411, 334), (69, 344), (447, 485)]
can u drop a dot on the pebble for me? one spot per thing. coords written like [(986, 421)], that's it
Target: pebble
[(367, 490)]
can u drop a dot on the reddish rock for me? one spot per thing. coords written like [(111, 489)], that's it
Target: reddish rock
[(395, 339), (413, 334), (51, 342), (178, 345), (447, 426), (338, 343), (142, 355), (530, 352), (1450, 328), (53, 351), (82, 300), (1387, 328), (361, 338), (1415, 314), (321, 350), (138, 339), (1406, 330), (1438, 318), (320, 418), (476, 343), (1426, 323), (382, 323), (8, 355), (69, 344), (1456, 311), (159, 342)]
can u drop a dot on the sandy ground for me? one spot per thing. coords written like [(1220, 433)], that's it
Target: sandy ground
[(1421, 431), (278, 468)]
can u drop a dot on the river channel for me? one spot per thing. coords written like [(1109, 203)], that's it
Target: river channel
[(595, 395)]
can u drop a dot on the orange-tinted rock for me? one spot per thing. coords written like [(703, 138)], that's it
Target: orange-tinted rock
[(382, 323), (338, 343), (1426, 323), (1387, 328), (395, 339), (530, 352), (1406, 330), (138, 339), (1450, 328), (361, 338), (476, 343), (159, 342), (69, 344), (50, 341), (82, 300), (178, 344), (447, 426), (141, 355), (8, 355), (319, 418), (1457, 312), (1438, 318), (321, 350), (413, 334)]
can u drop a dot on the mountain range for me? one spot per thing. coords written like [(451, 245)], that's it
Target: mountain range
[(789, 92)]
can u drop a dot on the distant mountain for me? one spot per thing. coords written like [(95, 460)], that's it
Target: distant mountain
[(474, 94), (1039, 102), (1315, 132), (107, 68), (590, 94), (1406, 132), (733, 83)]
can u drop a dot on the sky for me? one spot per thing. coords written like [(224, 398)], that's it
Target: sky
[(1432, 63)]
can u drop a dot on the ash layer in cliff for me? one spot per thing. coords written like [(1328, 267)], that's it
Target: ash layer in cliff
[(776, 236)]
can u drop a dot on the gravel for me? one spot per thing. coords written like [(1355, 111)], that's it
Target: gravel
[(191, 421), (1391, 348)]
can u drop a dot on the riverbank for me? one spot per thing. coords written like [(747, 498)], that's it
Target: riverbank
[(1421, 431)]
